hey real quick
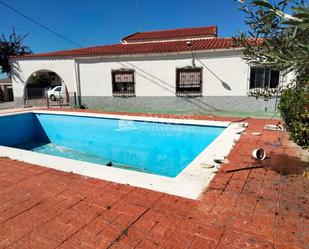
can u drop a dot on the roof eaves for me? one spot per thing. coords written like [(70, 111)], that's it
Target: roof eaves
[(215, 27), (81, 56), (126, 37), (7, 80), (122, 49)]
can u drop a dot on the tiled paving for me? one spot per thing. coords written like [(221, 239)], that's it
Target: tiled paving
[(262, 207)]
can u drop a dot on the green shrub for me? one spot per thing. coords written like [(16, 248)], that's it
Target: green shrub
[(294, 109)]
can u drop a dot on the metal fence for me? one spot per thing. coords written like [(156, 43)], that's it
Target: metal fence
[(39, 97)]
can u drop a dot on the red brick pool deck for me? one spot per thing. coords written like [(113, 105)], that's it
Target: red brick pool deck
[(264, 207)]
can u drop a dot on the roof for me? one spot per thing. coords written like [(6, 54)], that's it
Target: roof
[(7, 80), (140, 48), (173, 34)]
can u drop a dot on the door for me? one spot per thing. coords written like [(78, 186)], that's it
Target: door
[(10, 94)]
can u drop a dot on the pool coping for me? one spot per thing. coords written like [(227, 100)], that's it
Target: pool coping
[(189, 183)]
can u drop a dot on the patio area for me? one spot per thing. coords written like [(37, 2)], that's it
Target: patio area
[(262, 207)]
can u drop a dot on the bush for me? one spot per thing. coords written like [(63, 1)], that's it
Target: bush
[(294, 109)]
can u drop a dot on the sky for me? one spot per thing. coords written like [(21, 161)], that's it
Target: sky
[(99, 22)]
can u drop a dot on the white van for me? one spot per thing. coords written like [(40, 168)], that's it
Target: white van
[(55, 93)]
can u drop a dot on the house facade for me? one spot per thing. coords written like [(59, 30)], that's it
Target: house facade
[(172, 70)]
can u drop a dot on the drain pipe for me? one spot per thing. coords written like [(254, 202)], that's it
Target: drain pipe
[(78, 88)]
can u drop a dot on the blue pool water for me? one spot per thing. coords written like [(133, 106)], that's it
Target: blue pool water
[(157, 148)]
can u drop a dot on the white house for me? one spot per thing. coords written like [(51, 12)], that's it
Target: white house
[(188, 69)]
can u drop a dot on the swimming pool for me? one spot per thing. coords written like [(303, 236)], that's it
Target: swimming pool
[(151, 147), (167, 155)]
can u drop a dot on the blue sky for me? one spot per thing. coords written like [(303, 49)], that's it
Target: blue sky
[(97, 22)]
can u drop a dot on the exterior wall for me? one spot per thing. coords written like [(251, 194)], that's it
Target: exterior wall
[(24, 68), (225, 81), (156, 76), (225, 84), (181, 104)]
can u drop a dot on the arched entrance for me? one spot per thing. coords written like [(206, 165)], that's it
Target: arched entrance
[(45, 84)]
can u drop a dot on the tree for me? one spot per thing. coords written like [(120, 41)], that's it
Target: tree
[(280, 40), (13, 45)]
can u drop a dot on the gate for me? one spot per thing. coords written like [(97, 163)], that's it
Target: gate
[(39, 97)]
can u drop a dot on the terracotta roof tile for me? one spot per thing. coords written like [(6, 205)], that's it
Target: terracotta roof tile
[(140, 48), (173, 34)]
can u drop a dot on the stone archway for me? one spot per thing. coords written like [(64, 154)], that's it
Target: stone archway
[(40, 85)]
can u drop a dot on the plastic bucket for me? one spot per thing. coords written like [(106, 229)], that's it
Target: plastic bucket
[(259, 154)]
